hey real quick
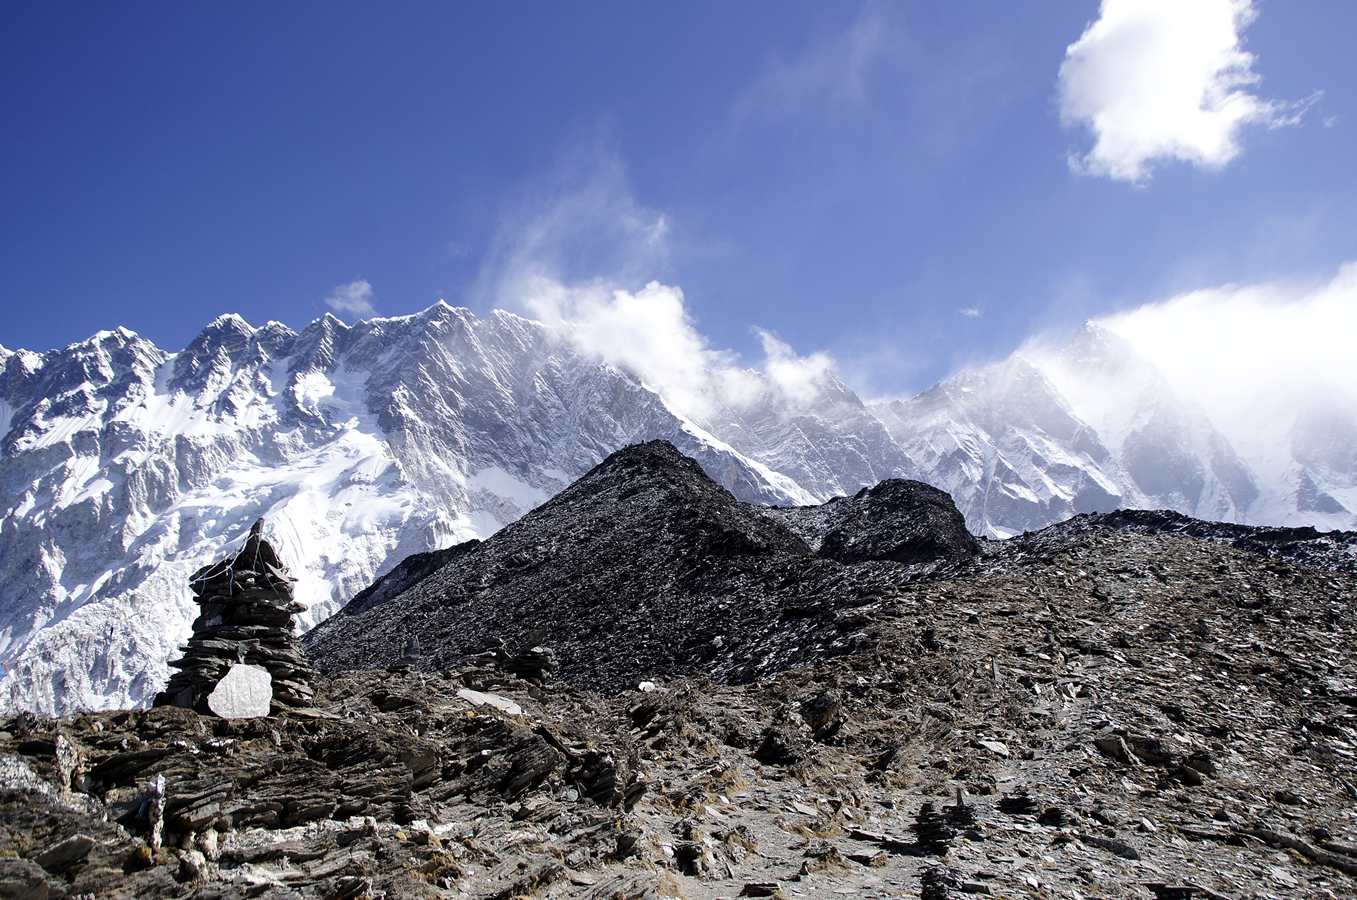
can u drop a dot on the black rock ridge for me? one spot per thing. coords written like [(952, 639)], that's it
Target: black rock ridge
[(647, 568)]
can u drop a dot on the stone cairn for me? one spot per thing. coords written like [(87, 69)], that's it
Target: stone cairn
[(243, 659)]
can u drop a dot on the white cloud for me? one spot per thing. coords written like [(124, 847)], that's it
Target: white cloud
[(580, 223), (650, 333), (582, 255), (799, 379), (1255, 357), (352, 299), (971, 312), (647, 332), (1159, 80)]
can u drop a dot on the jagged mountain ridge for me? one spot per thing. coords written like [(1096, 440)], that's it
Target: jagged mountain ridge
[(124, 467)]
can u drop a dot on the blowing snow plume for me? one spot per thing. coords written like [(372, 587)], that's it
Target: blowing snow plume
[(1258, 358), (1256, 380), (583, 256)]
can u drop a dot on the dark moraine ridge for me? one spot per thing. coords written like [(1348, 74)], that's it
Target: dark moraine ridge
[(644, 568)]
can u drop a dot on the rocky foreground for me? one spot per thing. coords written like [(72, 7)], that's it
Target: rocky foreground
[(1108, 707)]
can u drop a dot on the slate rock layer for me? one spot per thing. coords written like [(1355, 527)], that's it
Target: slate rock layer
[(246, 617), (643, 568)]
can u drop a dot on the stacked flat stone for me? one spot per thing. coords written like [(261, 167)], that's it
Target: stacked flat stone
[(246, 620)]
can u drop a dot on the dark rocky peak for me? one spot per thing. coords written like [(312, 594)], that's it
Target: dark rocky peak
[(643, 568), (665, 492), (897, 520)]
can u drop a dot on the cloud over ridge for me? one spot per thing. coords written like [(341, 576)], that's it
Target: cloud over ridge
[(1257, 357), (352, 299)]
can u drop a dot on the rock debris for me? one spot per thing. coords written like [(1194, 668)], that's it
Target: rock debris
[(1106, 709)]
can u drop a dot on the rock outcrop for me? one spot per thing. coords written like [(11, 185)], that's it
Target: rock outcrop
[(1084, 711), (243, 658), (897, 521)]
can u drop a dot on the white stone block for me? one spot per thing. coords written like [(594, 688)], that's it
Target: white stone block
[(245, 692), (479, 698)]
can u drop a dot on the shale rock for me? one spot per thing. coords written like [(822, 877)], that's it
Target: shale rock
[(643, 568)]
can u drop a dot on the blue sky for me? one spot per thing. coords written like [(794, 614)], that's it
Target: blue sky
[(850, 178)]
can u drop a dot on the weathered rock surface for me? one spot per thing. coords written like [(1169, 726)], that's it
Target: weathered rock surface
[(897, 520), (1093, 710), (408, 572), (244, 692), (1305, 546)]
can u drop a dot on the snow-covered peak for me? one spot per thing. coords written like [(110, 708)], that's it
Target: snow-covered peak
[(1172, 452), (229, 322), (127, 467)]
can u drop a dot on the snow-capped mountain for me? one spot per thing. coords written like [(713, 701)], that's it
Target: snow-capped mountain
[(825, 439), (1088, 425), (1007, 447), (124, 467), (1171, 454)]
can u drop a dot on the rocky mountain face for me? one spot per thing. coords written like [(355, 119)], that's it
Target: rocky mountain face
[(124, 467), (824, 438), (1005, 445), (1171, 455), (1088, 426), (854, 699)]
